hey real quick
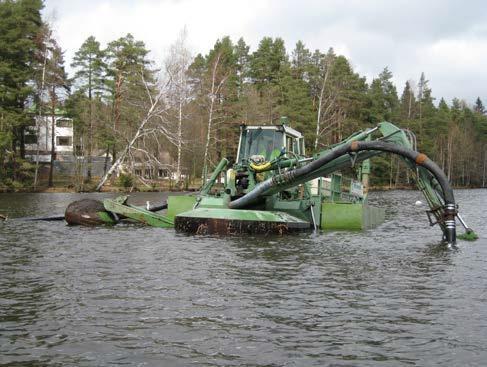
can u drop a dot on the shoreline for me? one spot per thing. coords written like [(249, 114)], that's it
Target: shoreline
[(120, 189)]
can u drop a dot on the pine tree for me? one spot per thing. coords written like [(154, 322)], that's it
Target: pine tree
[(384, 100), (424, 96), (268, 62), (218, 77), (241, 52), (89, 76), (20, 21), (244, 89), (296, 103), (56, 85), (338, 95), (479, 106), (127, 64), (268, 65), (426, 111), (300, 61), (408, 102)]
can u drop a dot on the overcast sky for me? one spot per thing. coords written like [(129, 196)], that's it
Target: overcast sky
[(446, 39)]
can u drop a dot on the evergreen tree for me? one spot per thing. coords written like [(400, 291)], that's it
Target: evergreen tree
[(338, 95), (296, 104), (383, 96), (218, 77), (320, 92), (56, 85), (127, 65), (241, 51), (407, 103), (268, 62), (437, 134), (425, 99), (301, 61), (89, 77), (479, 106), (317, 70), (295, 101), (20, 22), (384, 106), (244, 87), (268, 65)]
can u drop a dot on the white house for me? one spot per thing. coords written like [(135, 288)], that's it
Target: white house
[(63, 138)]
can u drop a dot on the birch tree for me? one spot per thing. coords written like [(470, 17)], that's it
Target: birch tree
[(215, 80), (43, 40), (215, 89), (153, 122), (179, 92), (325, 102)]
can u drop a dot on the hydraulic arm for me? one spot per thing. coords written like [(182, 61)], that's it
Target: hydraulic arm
[(430, 178)]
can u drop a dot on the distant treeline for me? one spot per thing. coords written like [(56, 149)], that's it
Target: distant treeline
[(183, 113)]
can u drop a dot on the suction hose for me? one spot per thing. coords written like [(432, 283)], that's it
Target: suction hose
[(289, 178)]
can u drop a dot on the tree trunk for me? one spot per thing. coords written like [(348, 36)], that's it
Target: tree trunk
[(398, 172), (53, 137), (117, 114), (213, 92), (105, 165), (485, 167), (41, 92), (390, 172), (36, 172), (410, 101), (126, 151), (320, 105), (179, 140), (22, 141), (450, 156), (90, 131), (208, 137)]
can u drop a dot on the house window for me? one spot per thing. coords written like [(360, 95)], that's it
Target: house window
[(138, 172), (147, 173), (64, 141), (30, 139), (162, 173), (64, 123)]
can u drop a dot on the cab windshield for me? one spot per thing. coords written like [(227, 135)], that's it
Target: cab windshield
[(265, 142)]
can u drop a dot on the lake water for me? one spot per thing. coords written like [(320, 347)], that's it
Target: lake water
[(140, 296)]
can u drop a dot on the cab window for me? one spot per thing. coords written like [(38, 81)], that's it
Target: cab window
[(289, 144)]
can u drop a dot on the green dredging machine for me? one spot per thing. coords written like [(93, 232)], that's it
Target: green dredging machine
[(273, 187)]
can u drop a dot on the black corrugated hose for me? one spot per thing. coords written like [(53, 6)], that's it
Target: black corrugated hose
[(288, 177)]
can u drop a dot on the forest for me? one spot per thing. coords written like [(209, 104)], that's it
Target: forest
[(127, 107)]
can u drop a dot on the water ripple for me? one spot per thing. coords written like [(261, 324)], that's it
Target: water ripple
[(134, 296)]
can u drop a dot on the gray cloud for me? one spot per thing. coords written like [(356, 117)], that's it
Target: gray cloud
[(445, 39)]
